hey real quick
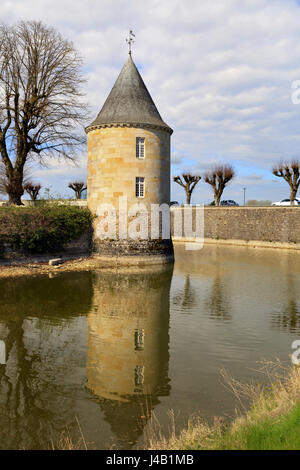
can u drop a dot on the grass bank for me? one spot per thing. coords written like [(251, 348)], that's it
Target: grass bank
[(271, 423)]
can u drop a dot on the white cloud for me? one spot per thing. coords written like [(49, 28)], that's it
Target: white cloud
[(254, 177), (176, 158)]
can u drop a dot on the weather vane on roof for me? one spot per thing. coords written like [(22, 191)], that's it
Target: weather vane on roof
[(130, 40)]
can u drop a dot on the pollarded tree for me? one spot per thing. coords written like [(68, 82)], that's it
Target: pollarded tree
[(41, 112), (290, 172), (188, 182), (218, 178), (78, 188), (33, 190)]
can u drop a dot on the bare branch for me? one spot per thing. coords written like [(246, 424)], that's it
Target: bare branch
[(78, 187), (218, 178), (290, 172), (33, 190), (188, 182)]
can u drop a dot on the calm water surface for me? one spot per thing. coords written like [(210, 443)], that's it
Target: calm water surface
[(113, 348)]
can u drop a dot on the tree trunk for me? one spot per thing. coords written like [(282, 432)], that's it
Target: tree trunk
[(217, 200), (293, 196), (188, 197), (15, 187)]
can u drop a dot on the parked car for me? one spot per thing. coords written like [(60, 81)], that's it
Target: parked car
[(174, 203), (228, 202), (286, 202)]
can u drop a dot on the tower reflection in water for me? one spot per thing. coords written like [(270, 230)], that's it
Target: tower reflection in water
[(128, 347)]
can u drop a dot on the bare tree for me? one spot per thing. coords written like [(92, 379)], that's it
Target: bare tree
[(218, 178), (33, 190), (41, 111), (290, 172), (188, 182), (78, 188)]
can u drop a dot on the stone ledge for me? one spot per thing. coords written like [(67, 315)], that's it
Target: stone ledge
[(115, 261), (128, 124), (249, 243)]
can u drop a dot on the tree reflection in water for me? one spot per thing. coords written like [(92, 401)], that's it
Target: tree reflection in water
[(218, 304), (40, 355), (288, 318), (185, 298)]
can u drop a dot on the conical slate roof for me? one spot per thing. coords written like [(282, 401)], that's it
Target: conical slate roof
[(129, 103)]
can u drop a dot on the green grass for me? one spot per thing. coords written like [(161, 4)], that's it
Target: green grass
[(271, 423), (283, 434)]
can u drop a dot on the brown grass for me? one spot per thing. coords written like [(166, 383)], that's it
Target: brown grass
[(267, 403), (66, 442)]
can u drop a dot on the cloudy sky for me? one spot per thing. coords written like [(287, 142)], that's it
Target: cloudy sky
[(220, 73)]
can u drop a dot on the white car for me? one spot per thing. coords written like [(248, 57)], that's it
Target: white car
[(286, 202)]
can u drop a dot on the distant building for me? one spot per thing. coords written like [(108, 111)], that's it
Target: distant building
[(129, 155)]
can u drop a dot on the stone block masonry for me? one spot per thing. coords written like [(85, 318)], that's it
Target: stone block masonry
[(259, 226), (113, 167)]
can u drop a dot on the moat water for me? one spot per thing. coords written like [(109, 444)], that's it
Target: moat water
[(111, 349)]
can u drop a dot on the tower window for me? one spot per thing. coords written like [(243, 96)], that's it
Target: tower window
[(140, 186), (139, 339), (139, 375), (140, 147)]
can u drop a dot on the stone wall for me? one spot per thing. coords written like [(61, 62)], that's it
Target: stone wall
[(268, 225), (253, 226)]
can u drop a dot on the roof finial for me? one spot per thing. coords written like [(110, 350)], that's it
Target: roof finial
[(130, 40)]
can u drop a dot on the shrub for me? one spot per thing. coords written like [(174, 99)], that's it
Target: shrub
[(42, 229)]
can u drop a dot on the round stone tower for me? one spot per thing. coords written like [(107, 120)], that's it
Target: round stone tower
[(129, 164)]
